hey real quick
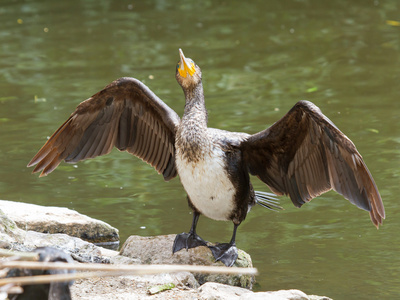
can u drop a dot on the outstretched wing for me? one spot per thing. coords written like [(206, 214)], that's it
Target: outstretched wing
[(125, 114), (304, 155)]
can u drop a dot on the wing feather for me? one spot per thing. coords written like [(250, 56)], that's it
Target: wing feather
[(304, 155), (125, 114)]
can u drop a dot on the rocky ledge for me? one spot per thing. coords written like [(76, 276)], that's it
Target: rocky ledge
[(50, 219), (63, 229)]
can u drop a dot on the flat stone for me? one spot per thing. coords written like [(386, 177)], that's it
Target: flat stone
[(217, 291), (276, 295), (49, 219), (79, 249), (158, 250), (12, 237)]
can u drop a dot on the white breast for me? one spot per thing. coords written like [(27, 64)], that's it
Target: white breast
[(207, 184)]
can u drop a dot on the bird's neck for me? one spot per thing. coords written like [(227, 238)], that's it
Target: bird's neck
[(195, 113), (192, 138)]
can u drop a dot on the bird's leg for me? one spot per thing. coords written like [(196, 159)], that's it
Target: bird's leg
[(226, 252), (189, 240)]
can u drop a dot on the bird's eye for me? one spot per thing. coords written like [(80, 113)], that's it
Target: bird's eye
[(178, 65)]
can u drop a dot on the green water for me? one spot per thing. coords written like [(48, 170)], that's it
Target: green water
[(258, 58)]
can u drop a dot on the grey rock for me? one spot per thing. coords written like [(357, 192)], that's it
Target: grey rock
[(217, 291), (9, 231), (48, 219), (80, 250), (12, 237), (124, 260), (316, 297), (158, 250), (276, 295), (182, 279)]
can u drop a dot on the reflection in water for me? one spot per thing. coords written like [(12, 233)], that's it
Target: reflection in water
[(257, 61)]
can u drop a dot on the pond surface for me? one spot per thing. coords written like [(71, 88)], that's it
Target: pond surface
[(258, 59)]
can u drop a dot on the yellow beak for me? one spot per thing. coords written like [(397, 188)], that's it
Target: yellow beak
[(186, 66)]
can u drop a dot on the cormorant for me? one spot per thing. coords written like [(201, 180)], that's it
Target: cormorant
[(302, 155)]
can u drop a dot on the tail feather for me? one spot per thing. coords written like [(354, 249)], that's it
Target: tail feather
[(268, 200)]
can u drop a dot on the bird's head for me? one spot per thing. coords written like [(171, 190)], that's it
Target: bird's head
[(188, 74)]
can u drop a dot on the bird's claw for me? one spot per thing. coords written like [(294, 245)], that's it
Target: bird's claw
[(225, 253), (187, 241)]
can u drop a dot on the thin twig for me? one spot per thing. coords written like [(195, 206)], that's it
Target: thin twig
[(21, 255), (99, 270), (41, 279), (134, 269)]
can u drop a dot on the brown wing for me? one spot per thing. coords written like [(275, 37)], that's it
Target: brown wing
[(304, 155), (125, 114)]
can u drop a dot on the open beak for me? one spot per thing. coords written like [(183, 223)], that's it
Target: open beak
[(186, 66)]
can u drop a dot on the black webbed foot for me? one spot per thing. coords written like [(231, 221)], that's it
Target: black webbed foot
[(226, 253), (187, 241)]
